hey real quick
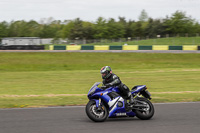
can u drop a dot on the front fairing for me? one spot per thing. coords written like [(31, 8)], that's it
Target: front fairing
[(94, 88), (95, 92), (99, 93)]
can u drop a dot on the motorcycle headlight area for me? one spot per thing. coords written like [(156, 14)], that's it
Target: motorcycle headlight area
[(92, 90)]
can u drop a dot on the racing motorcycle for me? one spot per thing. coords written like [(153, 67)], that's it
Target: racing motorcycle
[(108, 103)]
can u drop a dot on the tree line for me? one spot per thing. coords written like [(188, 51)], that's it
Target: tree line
[(177, 23)]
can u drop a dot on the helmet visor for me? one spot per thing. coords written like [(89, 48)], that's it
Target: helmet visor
[(103, 74)]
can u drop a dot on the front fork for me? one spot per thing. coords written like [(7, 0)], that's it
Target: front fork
[(98, 104)]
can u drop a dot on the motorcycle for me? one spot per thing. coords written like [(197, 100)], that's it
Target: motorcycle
[(108, 103)]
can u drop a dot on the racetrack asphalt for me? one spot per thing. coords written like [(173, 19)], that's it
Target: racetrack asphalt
[(168, 118)]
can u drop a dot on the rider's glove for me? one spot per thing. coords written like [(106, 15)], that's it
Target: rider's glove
[(103, 87), (108, 85)]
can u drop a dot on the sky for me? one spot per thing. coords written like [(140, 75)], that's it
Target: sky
[(90, 10)]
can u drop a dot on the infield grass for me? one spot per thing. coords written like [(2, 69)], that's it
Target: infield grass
[(38, 79)]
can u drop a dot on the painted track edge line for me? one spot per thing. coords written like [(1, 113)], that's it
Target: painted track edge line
[(82, 106)]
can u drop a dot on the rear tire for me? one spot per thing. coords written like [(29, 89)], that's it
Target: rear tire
[(94, 114), (148, 114)]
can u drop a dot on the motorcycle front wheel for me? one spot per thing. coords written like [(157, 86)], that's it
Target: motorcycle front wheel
[(96, 114)]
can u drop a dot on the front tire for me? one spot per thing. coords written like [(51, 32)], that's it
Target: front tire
[(94, 114), (148, 112)]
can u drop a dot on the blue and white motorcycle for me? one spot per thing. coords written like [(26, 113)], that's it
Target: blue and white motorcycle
[(107, 103)]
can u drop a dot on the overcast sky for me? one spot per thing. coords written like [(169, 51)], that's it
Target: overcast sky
[(90, 10)]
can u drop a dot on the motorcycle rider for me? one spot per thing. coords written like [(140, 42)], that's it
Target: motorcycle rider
[(110, 79)]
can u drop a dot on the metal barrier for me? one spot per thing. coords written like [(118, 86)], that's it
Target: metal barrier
[(21, 47)]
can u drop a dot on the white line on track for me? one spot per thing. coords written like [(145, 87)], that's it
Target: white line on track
[(67, 107), (56, 107)]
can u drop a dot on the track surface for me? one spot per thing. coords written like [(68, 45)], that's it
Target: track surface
[(168, 118)]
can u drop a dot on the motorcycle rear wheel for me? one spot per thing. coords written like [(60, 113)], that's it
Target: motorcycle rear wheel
[(94, 114), (146, 114)]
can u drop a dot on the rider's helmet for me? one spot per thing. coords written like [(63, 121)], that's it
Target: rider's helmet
[(106, 71)]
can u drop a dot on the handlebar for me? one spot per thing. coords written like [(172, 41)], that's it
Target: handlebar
[(103, 87)]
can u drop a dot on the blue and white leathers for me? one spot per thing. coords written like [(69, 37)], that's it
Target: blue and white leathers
[(116, 103)]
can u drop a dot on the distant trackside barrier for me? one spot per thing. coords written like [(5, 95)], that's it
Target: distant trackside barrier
[(124, 47), (99, 47), (22, 47)]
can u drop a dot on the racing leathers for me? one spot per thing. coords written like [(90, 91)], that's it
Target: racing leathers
[(114, 80)]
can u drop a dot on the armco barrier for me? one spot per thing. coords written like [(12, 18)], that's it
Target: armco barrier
[(115, 48), (76, 47), (175, 47), (190, 47), (59, 47), (145, 47), (107, 47), (130, 47), (22, 47), (87, 47), (160, 47), (101, 47)]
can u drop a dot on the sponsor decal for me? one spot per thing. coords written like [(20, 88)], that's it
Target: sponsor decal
[(121, 114)]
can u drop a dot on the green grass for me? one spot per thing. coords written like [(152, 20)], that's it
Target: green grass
[(22, 102), (166, 41), (23, 74), (94, 61)]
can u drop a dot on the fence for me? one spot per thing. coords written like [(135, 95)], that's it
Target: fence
[(179, 39)]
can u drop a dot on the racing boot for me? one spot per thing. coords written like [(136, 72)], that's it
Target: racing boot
[(131, 99)]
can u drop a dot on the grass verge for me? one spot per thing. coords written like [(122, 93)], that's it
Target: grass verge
[(51, 74)]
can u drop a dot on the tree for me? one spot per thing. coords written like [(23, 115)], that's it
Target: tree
[(67, 29), (100, 28), (154, 27), (51, 30), (88, 30), (122, 21), (77, 29), (33, 28), (143, 16), (137, 29), (18, 29), (179, 23), (115, 29), (3, 29), (197, 28), (129, 29)]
